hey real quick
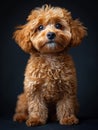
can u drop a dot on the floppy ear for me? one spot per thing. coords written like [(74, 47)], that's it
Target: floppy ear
[(22, 37), (78, 32)]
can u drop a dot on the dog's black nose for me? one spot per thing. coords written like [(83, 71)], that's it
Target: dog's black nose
[(51, 35)]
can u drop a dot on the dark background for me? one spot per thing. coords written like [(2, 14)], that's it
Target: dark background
[(13, 60)]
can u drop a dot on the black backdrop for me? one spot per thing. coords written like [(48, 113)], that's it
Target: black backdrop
[(13, 60)]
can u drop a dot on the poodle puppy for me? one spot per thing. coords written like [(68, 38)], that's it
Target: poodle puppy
[(50, 83)]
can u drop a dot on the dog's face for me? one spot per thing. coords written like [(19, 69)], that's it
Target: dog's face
[(49, 30), (51, 33)]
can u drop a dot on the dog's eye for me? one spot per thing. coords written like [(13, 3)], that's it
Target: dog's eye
[(58, 26), (41, 27)]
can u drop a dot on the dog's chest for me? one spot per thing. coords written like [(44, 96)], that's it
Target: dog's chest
[(55, 73), (47, 67), (55, 70), (49, 75)]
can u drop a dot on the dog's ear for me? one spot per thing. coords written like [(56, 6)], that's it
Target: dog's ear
[(78, 32), (22, 37)]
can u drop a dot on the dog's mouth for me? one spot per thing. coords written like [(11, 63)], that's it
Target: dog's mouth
[(52, 46)]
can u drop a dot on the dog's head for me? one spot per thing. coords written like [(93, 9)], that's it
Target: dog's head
[(49, 30)]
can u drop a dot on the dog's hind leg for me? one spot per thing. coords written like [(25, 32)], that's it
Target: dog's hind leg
[(21, 112)]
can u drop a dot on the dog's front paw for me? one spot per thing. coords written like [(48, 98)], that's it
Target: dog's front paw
[(20, 117), (34, 121), (69, 120)]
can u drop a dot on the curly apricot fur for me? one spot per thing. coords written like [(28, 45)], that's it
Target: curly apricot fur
[(50, 83)]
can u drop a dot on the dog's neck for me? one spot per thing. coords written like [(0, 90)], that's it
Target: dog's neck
[(56, 54)]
